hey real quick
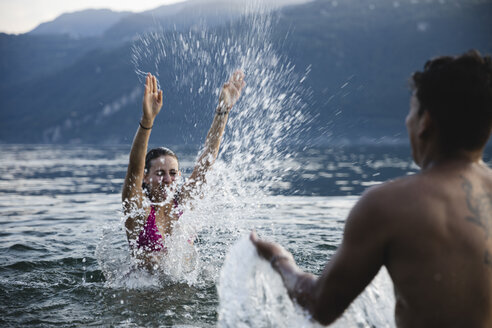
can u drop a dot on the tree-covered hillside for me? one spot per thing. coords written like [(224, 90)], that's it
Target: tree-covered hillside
[(358, 55)]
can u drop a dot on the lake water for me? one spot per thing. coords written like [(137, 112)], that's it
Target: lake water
[(64, 256)]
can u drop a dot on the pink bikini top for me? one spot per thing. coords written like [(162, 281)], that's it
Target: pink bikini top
[(150, 238)]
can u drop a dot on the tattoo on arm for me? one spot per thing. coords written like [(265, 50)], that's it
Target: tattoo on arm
[(480, 205)]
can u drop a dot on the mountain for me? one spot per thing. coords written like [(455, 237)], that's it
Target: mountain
[(96, 22), (81, 24), (363, 54), (359, 55), (28, 57), (180, 16), (190, 14)]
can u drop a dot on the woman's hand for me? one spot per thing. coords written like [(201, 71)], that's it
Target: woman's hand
[(152, 101), (231, 91)]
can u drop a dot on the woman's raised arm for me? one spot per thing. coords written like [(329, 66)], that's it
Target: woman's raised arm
[(228, 97), (132, 194)]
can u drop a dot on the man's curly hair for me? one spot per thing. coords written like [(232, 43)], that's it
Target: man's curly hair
[(457, 93)]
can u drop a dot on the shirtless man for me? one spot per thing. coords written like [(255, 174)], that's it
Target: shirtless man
[(431, 230)]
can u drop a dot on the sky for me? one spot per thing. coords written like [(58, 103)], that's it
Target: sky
[(20, 16)]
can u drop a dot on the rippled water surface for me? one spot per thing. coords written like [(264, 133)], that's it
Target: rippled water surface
[(61, 229)]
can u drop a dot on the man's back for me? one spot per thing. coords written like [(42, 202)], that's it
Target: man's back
[(439, 249)]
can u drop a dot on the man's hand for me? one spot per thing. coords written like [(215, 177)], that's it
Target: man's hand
[(152, 100), (299, 285), (270, 251), (231, 91)]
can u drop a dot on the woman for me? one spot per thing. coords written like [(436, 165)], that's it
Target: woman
[(150, 179)]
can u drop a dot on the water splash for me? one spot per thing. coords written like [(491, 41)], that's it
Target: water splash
[(374, 307), (191, 66), (252, 295)]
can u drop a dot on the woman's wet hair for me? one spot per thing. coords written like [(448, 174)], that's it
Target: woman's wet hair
[(153, 154), (156, 153), (457, 93)]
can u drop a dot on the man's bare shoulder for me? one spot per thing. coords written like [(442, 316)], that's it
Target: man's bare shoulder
[(393, 192), (425, 195), (382, 210), (391, 205), (376, 204)]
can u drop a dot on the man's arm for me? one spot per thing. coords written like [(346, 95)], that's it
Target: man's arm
[(354, 265), (229, 95)]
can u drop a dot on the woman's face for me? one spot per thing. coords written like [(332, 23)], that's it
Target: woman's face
[(163, 171)]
